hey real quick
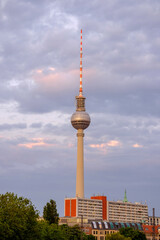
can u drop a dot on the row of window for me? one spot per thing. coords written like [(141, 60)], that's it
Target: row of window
[(102, 232)]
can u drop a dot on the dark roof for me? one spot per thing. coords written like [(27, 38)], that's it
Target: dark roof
[(115, 225)]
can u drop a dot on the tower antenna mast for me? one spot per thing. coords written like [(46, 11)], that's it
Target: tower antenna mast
[(80, 87)]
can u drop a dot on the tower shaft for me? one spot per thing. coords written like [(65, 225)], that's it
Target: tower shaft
[(80, 165)]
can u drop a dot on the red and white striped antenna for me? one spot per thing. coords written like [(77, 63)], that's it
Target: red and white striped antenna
[(80, 88)]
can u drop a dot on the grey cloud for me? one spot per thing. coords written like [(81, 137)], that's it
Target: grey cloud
[(112, 47), (7, 126), (36, 125)]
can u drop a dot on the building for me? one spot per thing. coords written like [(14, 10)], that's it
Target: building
[(82, 222), (150, 220), (98, 208), (151, 233), (124, 211), (104, 205), (101, 229), (88, 208), (127, 212)]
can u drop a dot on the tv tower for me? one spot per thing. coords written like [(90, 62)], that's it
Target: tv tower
[(80, 120)]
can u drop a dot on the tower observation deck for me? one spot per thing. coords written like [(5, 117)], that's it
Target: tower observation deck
[(80, 120)]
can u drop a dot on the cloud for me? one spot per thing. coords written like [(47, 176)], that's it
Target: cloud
[(55, 82), (136, 145), (36, 125), (37, 142), (105, 146), (112, 143), (7, 126)]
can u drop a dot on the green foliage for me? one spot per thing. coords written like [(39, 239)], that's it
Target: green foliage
[(49, 231), (63, 232), (50, 212), (117, 236), (90, 237), (18, 218), (19, 221), (73, 233), (133, 234)]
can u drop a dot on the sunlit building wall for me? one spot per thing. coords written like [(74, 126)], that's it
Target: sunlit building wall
[(127, 212)]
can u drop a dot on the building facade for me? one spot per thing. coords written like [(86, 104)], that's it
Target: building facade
[(101, 229), (127, 212), (98, 208), (150, 220), (151, 232), (88, 208), (104, 205)]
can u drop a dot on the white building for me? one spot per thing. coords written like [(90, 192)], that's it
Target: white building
[(150, 220), (88, 208), (127, 212)]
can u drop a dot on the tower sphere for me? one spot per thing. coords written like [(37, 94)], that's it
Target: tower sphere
[(80, 120)]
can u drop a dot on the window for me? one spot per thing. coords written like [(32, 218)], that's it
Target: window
[(106, 225), (101, 238), (100, 225), (112, 226), (94, 224)]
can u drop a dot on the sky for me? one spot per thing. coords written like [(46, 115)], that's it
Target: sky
[(39, 79)]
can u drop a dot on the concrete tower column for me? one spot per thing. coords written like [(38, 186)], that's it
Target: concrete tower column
[(80, 165)]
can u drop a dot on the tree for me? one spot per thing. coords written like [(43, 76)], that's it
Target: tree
[(50, 231), (74, 233), (18, 218), (117, 236), (132, 233), (90, 237), (63, 232), (50, 212)]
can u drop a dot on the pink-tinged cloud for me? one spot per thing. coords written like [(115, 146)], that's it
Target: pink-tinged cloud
[(112, 143), (70, 145), (37, 139), (36, 143), (136, 145), (51, 68), (39, 71), (54, 81)]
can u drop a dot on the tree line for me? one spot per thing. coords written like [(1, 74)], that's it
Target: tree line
[(19, 220)]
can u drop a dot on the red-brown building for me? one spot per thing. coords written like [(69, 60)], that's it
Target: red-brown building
[(104, 205), (92, 209), (149, 232)]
